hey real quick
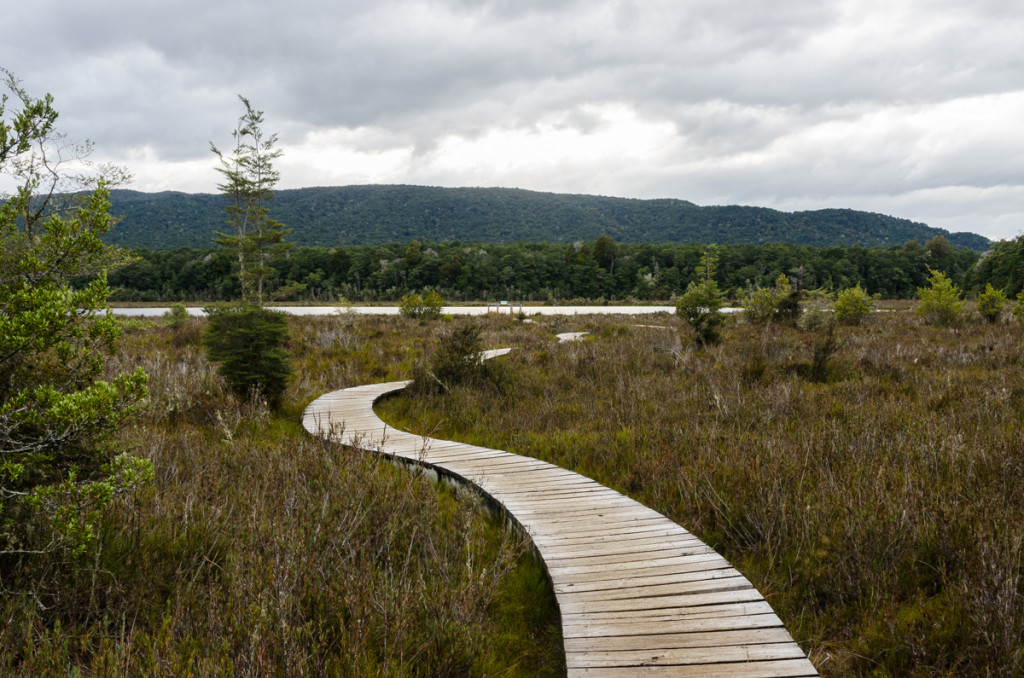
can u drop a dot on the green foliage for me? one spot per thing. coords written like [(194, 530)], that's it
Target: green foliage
[(991, 303), (940, 247), (177, 315), (852, 306), (248, 342), (1018, 308), (940, 303), (56, 476), (424, 307), (531, 271), (702, 302), (455, 361), (761, 304), (363, 215), (249, 179)]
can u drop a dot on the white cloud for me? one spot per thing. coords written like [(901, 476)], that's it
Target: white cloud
[(861, 103)]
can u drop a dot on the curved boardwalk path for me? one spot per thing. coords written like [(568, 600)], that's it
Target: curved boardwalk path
[(638, 594)]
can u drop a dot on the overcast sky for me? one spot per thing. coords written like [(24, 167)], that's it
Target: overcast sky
[(913, 108)]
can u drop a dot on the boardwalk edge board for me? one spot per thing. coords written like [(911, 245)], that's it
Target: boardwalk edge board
[(638, 594)]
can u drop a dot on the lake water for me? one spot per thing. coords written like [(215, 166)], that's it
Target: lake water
[(157, 311)]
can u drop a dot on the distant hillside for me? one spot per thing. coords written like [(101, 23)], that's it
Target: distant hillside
[(362, 215)]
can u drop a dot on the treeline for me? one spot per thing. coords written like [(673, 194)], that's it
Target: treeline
[(377, 215), (1002, 265), (602, 269)]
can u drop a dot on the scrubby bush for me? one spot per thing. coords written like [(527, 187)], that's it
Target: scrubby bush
[(701, 304), (761, 304), (248, 342), (177, 315), (425, 307), (456, 361), (940, 303), (1018, 309), (852, 306), (991, 303)]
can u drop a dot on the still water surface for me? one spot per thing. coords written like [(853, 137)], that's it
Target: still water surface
[(157, 311)]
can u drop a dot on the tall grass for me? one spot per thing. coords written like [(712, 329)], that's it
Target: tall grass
[(259, 550), (875, 498)]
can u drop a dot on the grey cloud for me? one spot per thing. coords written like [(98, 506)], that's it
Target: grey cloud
[(742, 81)]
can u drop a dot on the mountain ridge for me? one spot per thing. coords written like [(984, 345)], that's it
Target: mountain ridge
[(329, 216)]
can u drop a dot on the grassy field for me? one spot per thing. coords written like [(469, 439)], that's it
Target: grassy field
[(877, 502), (258, 550)]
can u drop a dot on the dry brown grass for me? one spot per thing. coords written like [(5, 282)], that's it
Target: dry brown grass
[(258, 550), (878, 507)]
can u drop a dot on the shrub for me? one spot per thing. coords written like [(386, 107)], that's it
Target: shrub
[(852, 306), (248, 342), (456, 360), (991, 303), (761, 304), (1018, 309), (823, 347), (426, 307), (701, 304), (177, 315), (940, 304)]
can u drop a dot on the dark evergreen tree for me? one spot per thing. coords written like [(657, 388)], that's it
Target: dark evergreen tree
[(248, 342)]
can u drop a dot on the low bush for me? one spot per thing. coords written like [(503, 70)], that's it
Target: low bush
[(425, 307), (940, 303), (991, 303), (248, 342), (853, 306)]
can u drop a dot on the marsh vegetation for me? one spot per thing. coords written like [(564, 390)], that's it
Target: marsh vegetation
[(258, 550), (872, 492)]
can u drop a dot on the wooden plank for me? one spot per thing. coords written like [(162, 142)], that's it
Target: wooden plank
[(638, 627), (667, 641), (720, 611), (784, 668), (746, 652)]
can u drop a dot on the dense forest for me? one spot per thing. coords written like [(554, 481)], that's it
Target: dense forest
[(1002, 266), (376, 215), (602, 269)]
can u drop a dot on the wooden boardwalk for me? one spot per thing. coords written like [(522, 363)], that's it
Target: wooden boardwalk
[(638, 594)]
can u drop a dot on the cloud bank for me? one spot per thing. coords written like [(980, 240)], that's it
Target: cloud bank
[(911, 109)]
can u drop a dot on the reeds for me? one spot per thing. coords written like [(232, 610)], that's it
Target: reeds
[(873, 491), (259, 550)]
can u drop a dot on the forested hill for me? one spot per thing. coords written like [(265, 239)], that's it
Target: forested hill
[(362, 215)]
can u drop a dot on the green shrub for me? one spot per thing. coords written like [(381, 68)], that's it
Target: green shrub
[(426, 307), (761, 304), (248, 342), (1018, 309), (991, 303), (940, 304), (177, 315), (852, 306), (701, 304), (456, 360)]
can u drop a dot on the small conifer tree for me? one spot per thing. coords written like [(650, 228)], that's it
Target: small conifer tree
[(852, 306), (701, 304), (991, 303), (248, 342), (940, 303)]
